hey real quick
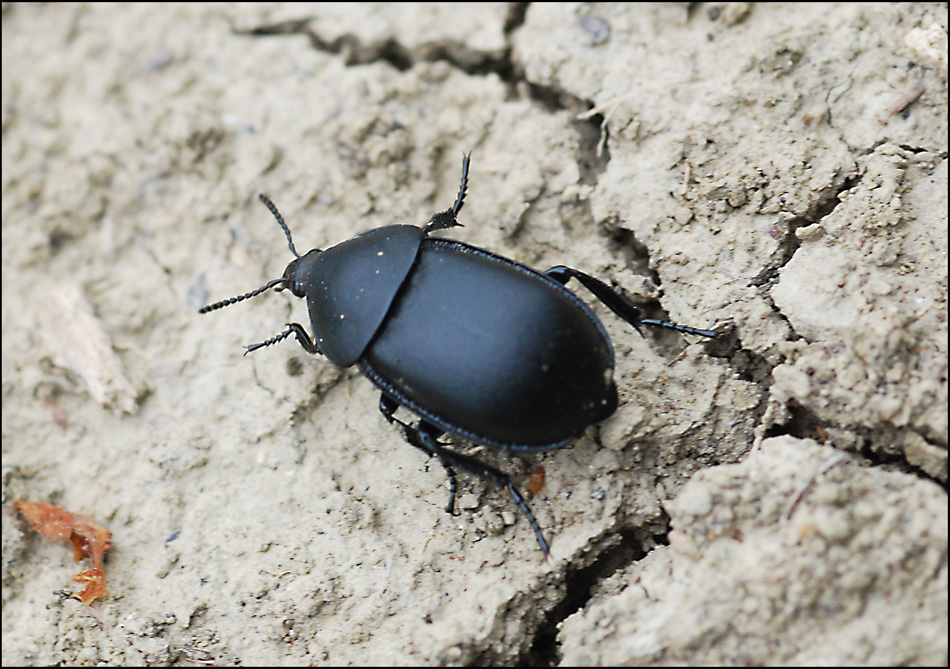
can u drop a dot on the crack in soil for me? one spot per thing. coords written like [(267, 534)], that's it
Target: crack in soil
[(583, 582)]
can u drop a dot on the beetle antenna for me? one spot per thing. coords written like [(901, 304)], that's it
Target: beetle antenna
[(280, 219), (234, 300)]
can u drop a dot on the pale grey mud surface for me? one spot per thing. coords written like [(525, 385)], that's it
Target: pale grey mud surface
[(778, 172)]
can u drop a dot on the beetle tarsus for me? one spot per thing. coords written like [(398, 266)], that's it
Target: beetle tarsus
[(292, 329), (680, 328), (463, 187)]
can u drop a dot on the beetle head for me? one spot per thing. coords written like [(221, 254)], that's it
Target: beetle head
[(294, 276)]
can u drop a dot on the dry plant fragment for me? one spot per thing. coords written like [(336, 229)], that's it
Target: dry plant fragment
[(78, 342), (536, 482), (89, 539)]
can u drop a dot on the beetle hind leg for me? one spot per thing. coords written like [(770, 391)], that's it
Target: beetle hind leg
[(616, 303), (425, 437)]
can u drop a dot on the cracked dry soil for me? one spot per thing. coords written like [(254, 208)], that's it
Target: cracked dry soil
[(777, 496)]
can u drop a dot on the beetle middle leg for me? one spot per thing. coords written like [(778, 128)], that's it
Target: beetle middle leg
[(425, 437), (387, 407), (616, 302)]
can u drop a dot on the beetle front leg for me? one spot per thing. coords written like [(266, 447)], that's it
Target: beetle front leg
[(449, 218), (616, 302), (292, 329)]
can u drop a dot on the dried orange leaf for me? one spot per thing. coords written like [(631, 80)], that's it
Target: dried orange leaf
[(95, 580), (89, 539), (50, 521)]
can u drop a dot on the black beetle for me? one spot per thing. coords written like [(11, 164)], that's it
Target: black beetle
[(475, 344)]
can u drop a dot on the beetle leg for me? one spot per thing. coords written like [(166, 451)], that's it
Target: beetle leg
[(482, 470), (292, 329), (424, 439), (388, 406), (616, 303), (449, 217)]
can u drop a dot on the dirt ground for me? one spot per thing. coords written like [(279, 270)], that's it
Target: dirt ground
[(778, 172)]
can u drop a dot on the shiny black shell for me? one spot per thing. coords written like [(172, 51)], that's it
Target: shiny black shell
[(477, 344)]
